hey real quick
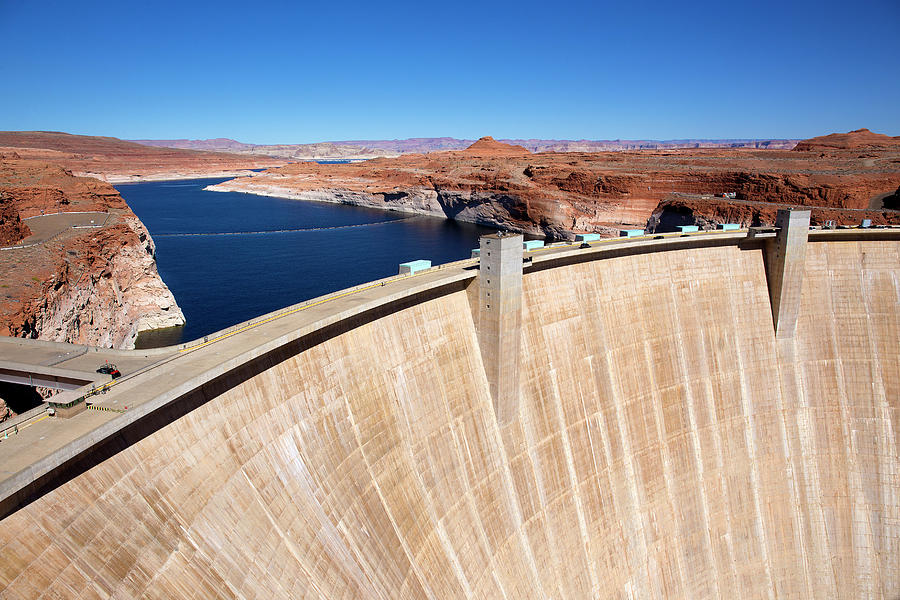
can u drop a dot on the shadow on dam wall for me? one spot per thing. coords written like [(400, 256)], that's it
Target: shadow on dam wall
[(666, 444)]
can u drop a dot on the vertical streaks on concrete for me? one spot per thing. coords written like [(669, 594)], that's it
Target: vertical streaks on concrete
[(667, 444)]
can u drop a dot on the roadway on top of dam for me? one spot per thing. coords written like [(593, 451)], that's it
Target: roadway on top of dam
[(155, 379)]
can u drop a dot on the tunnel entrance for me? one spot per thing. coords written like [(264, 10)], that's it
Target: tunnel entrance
[(18, 397)]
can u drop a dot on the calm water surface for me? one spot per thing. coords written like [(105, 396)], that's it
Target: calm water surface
[(229, 257)]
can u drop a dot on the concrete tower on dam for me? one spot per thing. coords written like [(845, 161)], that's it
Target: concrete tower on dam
[(498, 319), (703, 416)]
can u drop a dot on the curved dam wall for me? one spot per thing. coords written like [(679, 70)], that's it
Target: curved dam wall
[(665, 445)]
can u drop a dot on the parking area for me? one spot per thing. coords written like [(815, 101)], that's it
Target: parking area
[(46, 227)]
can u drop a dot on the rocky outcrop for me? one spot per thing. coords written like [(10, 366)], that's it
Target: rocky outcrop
[(95, 285), (12, 229), (501, 210), (105, 295), (852, 140), (488, 146), (559, 194), (31, 188), (505, 211)]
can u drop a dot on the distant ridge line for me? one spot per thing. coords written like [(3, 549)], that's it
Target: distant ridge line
[(376, 148)]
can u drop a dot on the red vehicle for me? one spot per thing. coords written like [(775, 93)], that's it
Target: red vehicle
[(109, 369)]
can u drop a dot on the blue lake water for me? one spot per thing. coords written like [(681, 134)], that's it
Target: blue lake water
[(229, 257)]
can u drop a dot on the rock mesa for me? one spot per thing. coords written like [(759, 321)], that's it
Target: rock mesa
[(555, 194)]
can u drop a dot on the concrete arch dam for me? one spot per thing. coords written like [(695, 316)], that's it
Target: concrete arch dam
[(663, 443)]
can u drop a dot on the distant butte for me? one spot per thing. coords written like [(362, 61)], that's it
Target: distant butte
[(488, 146), (852, 140)]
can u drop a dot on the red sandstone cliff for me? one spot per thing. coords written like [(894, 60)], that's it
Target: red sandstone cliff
[(95, 285), (556, 194), (12, 229)]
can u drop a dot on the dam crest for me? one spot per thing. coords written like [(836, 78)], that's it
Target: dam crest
[(702, 416)]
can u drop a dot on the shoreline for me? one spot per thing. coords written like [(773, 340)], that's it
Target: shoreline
[(425, 202), (328, 196), (115, 179)]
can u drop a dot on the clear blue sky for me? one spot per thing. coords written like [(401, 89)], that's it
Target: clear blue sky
[(292, 72)]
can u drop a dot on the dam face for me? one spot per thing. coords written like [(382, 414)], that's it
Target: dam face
[(665, 444)]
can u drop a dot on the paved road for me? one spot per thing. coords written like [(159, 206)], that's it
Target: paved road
[(154, 378), (46, 227)]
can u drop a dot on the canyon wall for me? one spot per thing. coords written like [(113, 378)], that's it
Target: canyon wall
[(93, 284), (559, 194), (500, 210), (104, 293), (666, 445)]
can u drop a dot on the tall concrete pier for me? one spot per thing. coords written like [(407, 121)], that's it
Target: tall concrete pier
[(786, 263), (499, 317)]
